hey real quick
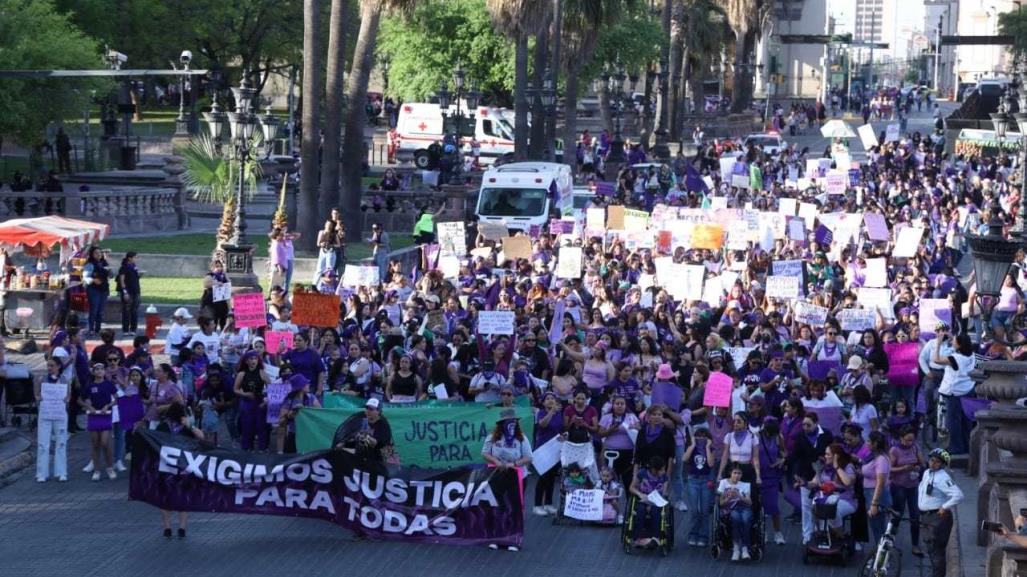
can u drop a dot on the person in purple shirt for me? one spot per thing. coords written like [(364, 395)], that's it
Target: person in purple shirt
[(305, 361), (548, 424), (97, 399), (773, 381)]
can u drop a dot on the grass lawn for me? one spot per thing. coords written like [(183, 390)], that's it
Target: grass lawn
[(203, 244), (176, 290)]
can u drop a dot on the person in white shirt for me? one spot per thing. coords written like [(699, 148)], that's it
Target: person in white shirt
[(956, 384), (933, 372), (178, 334), (486, 384), (937, 497), (210, 339)]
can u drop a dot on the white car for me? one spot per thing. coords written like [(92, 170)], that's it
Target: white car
[(772, 144)]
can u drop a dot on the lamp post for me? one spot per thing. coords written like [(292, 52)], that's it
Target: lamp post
[(446, 98), (660, 148), (616, 88), (181, 122), (242, 123), (546, 98)]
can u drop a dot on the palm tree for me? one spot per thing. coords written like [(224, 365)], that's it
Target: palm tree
[(745, 18), (519, 20), (354, 148), (704, 40), (214, 178), (307, 203), (333, 107)]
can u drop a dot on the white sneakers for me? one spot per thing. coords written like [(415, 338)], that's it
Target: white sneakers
[(120, 467), (779, 538), (88, 468), (62, 479), (96, 475), (745, 553), (736, 554), (540, 511), (111, 474), (40, 480), (551, 509)]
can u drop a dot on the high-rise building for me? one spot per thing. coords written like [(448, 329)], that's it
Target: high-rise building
[(940, 19), (980, 18)]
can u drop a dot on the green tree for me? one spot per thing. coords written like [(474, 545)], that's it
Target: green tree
[(1015, 24), (38, 37), (421, 57)]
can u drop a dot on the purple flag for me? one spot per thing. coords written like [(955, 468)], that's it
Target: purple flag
[(823, 235)]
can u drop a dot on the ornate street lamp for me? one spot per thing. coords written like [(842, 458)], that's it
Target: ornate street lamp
[(993, 254), (242, 124), (617, 97), (660, 149)]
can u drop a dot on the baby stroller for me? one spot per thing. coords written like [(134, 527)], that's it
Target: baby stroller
[(575, 459), (824, 545), (664, 540), (721, 542)]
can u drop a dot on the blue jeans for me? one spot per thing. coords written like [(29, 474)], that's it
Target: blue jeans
[(677, 475), (325, 261), (906, 499), (959, 426), (741, 526), (877, 523), (700, 502), (288, 277), (97, 296)]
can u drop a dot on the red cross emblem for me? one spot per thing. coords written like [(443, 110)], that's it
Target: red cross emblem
[(422, 126), (483, 112), (492, 142), (408, 109)]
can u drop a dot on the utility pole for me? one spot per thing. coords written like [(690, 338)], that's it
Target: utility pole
[(937, 54), (873, 40)]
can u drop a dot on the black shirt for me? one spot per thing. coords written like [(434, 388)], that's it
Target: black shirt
[(662, 446)]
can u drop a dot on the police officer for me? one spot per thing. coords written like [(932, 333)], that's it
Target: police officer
[(937, 498)]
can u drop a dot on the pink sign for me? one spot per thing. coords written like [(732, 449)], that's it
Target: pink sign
[(249, 310), (278, 340), (902, 364), (718, 390)]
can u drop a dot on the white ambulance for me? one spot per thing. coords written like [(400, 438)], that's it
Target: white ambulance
[(419, 125), (525, 194)]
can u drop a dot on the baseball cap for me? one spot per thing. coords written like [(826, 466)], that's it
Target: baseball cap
[(373, 404), (182, 312)]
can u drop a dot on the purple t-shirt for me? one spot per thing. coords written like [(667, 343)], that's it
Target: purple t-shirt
[(618, 440), (307, 363), (101, 394), (878, 465)]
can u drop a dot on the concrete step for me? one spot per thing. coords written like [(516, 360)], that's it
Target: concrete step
[(16, 453)]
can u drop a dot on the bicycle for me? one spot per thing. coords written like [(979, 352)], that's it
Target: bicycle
[(886, 560)]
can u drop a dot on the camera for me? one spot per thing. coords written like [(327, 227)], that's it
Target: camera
[(186, 57)]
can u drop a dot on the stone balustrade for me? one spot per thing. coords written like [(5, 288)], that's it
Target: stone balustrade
[(126, 209), (397, 210)]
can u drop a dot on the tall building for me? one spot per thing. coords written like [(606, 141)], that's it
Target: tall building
[(980, 18), (941, 18), (799, 67)]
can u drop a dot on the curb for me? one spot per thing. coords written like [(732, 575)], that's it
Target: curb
[(954, 551), (12, 467)]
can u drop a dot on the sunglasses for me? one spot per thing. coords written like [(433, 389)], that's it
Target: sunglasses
[(505, 394)]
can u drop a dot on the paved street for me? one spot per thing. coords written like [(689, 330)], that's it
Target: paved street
[(82, 528)]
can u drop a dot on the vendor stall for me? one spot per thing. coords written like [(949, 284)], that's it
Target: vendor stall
[(32, 297)]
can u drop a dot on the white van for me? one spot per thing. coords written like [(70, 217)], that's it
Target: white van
[(524, 194), (420, 124)]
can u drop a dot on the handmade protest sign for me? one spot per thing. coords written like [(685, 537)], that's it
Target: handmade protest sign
[(718, 390), (727, 168), (877, 272), (221, 292), (867, 136), (902, 364), (782, 287), (908, 242), (808, 212), (796, 229), (836, 182), (635, 220), (891, 133), (793, 268), (691, 282), (739, 354), (357, 276), (856, 319), (428, 434), (517, 247), (276, 341), (787, 206), (315, 309), (569, 263), (276, 393), (496, 322), (932, 312), (547, 455), (877, 228), (53, 406), (492, 230), (449, 265), (595, 219), (810, 314), (452, 240), (739, 181), (615, 217), (584, 505), (876, 299), (707, 236), (460, 507), (249, 310)]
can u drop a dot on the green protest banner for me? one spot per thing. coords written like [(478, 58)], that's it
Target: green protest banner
[(429, 434)]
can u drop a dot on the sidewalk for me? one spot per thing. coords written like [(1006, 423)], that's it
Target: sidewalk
[(965, 558)]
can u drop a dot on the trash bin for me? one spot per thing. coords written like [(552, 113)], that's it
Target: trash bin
[(153, 322), (128, 158)]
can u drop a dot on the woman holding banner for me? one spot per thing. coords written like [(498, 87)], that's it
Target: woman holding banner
[(507, 448), (176, 422), (250, 381)]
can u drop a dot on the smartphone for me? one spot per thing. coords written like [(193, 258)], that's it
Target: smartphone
[(991, 526)]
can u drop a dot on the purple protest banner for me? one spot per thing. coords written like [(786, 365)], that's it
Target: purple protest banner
[(130, 411), (458, 507), (877, 228), (818, 370), (902, 364), (667, 393)]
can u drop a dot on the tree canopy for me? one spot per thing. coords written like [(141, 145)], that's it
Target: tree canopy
[(37, 36)]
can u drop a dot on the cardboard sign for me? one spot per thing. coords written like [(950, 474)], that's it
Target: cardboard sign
[(517, 247), (595, 218), (569, 264), (933, 311), (452, 240), (796, 229), (727, 168), (222, 292), (836, 182), (615, 217), (876, 299), (547, 455), (249, 310), (908, 242), (708, 236), (867, 136), (876, 272), (635, 220), (856, 319), (496, 322), (718, 390), (690, 281), (278, 340), (276, 393), (584, 505), (810, 314), (315, 310), (740, 181), (891, 133), (877, 228), (358, 276), (435, 319), (449, 265), (808, 212), (492, 231), (787, 206), (842, 161), (53, 405), (782, 287)]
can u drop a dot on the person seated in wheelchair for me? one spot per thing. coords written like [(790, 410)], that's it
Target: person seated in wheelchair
[(735, 499), (612, 492), (574, 478), (651, 479), (834, 485)]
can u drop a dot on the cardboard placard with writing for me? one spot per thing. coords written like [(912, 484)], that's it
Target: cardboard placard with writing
[(221, 292), (452, 240), (856, 319), (782, 287), (249, 310), (278, 341), (718, 390), (707, 236), (492, 230), (569, 263), (615, 217), (867, 136), (496, 322), (315, 310), (517, 247)]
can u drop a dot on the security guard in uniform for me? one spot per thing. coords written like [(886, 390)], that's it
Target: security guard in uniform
[(937, 498)]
